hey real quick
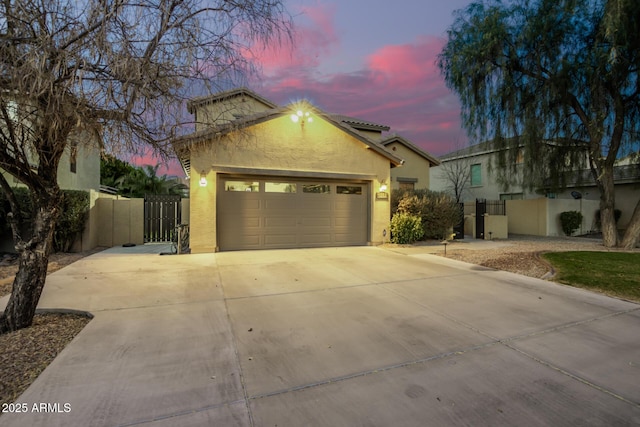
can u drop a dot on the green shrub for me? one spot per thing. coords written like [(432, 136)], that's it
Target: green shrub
[(73, 216), (406, 228), (570, 221), (438, 211), (24, 202)]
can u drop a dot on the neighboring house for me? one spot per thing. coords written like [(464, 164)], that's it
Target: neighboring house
[(414, 173), (482, 183), (264, 176), (477, 161), (79, 167)]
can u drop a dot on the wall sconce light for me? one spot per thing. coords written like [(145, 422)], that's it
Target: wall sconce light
[(302, 117), (383, 186), (203, 180)]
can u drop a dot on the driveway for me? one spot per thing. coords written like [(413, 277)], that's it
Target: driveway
[(332, 337)]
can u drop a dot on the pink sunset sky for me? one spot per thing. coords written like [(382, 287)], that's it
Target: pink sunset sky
[(370, 59)]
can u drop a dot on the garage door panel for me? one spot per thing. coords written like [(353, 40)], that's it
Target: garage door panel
[(318, 205), (246, 241), (288, 222), (316, 239), (298, 214), (316, 222), (284, 240)]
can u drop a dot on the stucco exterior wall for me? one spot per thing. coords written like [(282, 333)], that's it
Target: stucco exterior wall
[(87, 174), (541, 217), (488, 189), (282, 147), (414, 167), (224, 111), (120, 221), (496, 227), (627, 196)]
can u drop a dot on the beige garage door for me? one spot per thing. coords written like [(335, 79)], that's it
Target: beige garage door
[(269, 213)]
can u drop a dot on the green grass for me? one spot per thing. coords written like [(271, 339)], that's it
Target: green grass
[(612, 273)]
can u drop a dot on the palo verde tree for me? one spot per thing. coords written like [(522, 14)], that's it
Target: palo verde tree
[(557, 78), (116, 71)]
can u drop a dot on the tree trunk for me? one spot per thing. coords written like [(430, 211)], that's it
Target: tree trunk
[(33, 258), (632, 234), (607, 206)]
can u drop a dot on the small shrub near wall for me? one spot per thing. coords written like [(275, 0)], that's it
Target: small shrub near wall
[(73, 215), (438, 211), (570, 221), (406, 228)]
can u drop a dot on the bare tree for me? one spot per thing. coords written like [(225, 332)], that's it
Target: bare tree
[(457, 175), (118, 70)]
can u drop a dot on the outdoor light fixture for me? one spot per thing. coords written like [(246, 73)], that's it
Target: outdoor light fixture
[(203, 180), (383, 185), (302, 117)]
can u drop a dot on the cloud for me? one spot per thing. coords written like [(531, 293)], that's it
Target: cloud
[(400, 86), (313, 38)]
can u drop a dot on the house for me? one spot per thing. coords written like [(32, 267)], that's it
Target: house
[(78, 169), (265, 176), (415, 172), (476, 164)]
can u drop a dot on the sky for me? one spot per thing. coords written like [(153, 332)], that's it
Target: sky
[(370, 59)]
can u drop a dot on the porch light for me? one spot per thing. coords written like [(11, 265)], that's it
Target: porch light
[(203, 181), (302, 117), (383, 187)]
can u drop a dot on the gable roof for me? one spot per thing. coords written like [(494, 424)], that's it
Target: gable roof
[(359, 123), (183, 144), (397, 138), (226, 95)]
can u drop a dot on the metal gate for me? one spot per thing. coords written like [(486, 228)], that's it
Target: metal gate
[(162, 213), (481, 209)]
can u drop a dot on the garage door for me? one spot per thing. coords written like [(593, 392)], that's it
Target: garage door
[(269, 213)]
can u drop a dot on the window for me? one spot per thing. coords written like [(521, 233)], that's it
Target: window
[(279, 187), (404, 186), (316, 188), (252, 186), (476, 175), (349, 189), (511, 196)]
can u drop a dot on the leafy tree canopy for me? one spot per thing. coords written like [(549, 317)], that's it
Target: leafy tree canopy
[(558, 78)]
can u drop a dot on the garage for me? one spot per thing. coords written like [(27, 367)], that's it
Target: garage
[(280, 212)]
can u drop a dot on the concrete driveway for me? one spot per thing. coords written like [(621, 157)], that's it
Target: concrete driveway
[(357, 336)]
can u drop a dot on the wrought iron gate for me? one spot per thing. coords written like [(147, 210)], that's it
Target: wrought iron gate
[(481, 209), (162, 213)]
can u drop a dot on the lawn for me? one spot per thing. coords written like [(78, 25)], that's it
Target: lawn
[(613, 273)]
